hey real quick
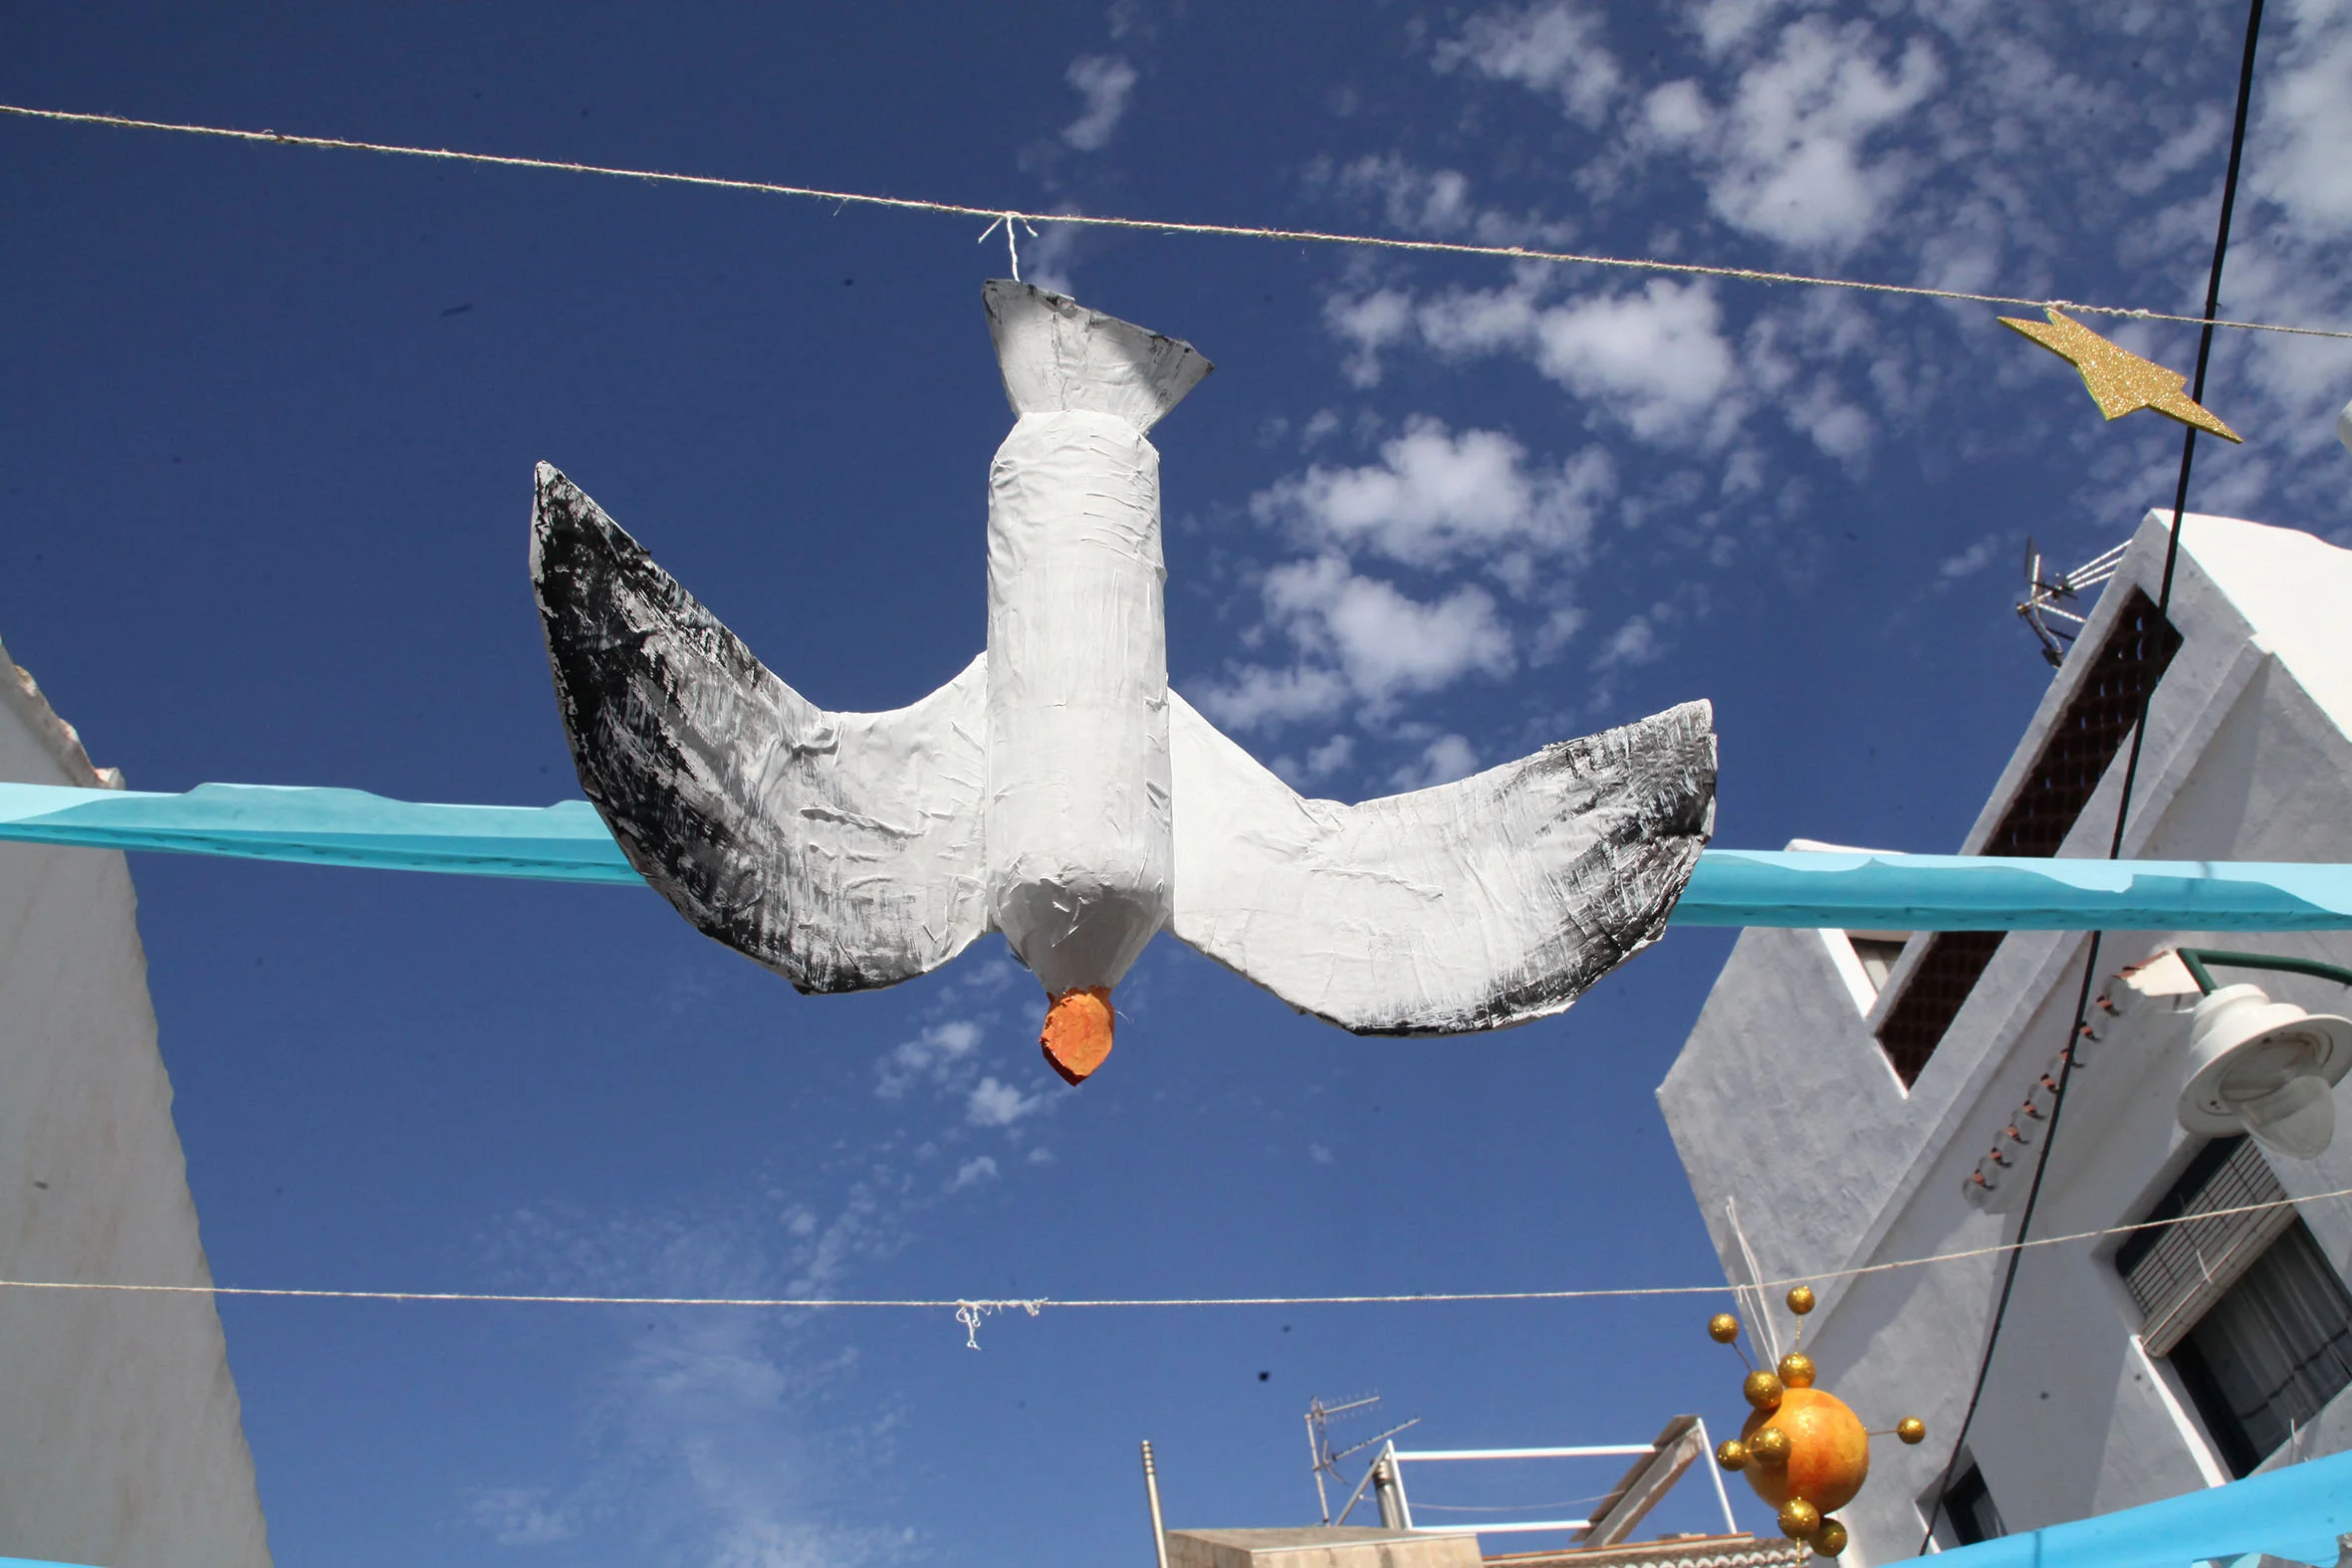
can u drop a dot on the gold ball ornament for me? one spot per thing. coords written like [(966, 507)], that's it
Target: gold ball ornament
[(1762, 1389), (1800, 1519), (1796, 1370), (1731, 1454), (1769, 1446), (1828, 1450), (1723, 1328), (1830, 1539), (1800, 1300), (1911, 1429)]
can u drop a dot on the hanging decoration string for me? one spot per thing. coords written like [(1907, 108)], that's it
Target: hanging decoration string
[(2131, 768), (971, 1311), (1153, 225)]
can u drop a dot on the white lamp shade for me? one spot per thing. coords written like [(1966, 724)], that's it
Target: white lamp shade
[(2264, 1067)]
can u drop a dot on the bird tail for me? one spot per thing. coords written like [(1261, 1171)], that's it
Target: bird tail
[(1059, 356)]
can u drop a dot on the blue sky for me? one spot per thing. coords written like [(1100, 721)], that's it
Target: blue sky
[(266, 445)]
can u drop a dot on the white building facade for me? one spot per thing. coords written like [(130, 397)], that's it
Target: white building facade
[(121, 1439), (1899, 1075)]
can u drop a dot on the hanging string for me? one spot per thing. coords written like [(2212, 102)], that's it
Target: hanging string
[(1012, 246), (969, 1314), (2131, 768), (970, 1311), (1156, 225)]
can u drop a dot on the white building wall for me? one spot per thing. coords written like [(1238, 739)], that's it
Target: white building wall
[(1782, 1096), (121, 1443)]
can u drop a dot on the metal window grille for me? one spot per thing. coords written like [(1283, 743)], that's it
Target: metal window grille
[(2097, 721), (1932, 998), (2178, 1272), (2074, 756)]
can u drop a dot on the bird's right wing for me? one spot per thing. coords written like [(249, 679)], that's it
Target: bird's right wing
[(840, 849), (1477, 905)]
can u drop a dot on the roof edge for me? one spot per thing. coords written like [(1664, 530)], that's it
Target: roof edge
[(61, 739)]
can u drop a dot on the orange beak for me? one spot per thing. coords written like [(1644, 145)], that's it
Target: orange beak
[(1076, 1035)]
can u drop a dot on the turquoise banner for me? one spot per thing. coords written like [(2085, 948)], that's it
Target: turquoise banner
[(1731, 887), (2295, 1512), (335, 828)]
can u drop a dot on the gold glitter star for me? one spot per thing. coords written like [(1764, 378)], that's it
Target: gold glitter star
[(2119, 380)]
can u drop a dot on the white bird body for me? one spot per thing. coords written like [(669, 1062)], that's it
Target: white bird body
[(1057, 791), (1080, 842)]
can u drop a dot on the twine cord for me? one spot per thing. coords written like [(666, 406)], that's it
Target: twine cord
[(971, 1310), (843, 198)]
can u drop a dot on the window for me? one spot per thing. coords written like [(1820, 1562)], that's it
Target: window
[(1968, 1515), (2098, 720), (2272, 1351), (2251, 1314), (1940, 982)]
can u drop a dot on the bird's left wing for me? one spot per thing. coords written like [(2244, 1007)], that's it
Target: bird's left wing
[(1477, 905), (840, 849)]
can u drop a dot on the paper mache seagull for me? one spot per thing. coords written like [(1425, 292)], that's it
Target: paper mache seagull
[(1058, 791)]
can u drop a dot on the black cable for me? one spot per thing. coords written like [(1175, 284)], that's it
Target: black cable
[(2131, 770)]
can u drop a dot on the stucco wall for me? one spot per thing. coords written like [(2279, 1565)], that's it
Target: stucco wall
[(2247, 759), (120, 1444)]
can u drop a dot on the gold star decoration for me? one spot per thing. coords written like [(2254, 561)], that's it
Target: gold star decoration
[(2120, 381)]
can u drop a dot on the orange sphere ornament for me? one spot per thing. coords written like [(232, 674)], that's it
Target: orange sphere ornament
[(1828, 1450)]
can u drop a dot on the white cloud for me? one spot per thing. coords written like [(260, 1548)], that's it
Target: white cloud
[(1790, 151), (1106, 82), (1653, 357), (1383, 640), (994, 1104), (1050, 259), (1328, 757), (1436, 498), (1659, 352), (2305, 123), (1261, 698), (701, 1435), (1677, 111), (1724, 23), (980, 1168), (1371, 323), (1971, 561), (1553, 47), (932, 1055), (1634, 642), (1560, 628), (521, 1516), (1318, 1154), (1443, 761), (1417, 200), (1438, 201), (1363, 641)]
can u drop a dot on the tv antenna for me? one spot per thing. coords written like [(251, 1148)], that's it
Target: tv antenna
[(2047, 597), (1320, 1417)]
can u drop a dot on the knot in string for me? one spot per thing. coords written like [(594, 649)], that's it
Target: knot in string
[(968, 1313)]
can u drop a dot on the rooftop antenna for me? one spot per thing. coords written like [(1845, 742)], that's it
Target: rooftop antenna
[(1320, 1417), (2047, 597)]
